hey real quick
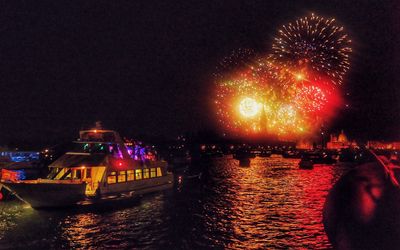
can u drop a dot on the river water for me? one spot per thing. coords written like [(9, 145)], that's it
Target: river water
[(271, 204)]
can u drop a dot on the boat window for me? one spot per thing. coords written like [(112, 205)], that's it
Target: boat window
[(145, 173), (131, 175), (77, 174), (88, 173), (112, 178), (138, 173), (121, 176), (67, 175), (54, 172), (159, 173), (152, 172)]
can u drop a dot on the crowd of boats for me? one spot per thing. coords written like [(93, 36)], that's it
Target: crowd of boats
[(308, 158)]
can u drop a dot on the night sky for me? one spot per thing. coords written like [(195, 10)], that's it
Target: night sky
[(145, 67)]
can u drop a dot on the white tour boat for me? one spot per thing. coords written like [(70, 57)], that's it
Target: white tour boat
[(101, 168)]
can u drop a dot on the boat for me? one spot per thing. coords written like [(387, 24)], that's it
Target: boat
[(243, 154), (100, 168), (291, 154), (309, 159), (25, 164), (306, 163), (265, 153), (347, 155), (260, 153), (28, 163), (326, 158), (177, 160), (244, 162)]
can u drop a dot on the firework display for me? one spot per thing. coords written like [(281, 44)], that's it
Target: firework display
[(291, 92), (316, 42)]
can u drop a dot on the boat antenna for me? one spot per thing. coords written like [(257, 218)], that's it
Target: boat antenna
[(98, 125)]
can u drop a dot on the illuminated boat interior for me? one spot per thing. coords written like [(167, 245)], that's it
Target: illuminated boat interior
[(100, 156)]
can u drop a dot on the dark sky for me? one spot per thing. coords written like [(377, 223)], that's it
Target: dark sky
[(144, 67)]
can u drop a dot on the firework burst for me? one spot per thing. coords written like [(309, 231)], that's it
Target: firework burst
[(239, 100), (291, 92), (316, 42)]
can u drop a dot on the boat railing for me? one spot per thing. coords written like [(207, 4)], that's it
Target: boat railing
[(66, 181)]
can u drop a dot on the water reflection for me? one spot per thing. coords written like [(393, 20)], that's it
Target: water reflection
[(80, 230), (271, 204)]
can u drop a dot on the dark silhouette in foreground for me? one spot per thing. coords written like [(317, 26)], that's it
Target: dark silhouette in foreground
[(362, 211)]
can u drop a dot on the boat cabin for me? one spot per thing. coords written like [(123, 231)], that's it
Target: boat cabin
[(102, 161)]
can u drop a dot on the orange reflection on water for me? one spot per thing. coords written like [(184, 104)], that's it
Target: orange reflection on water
[(80, 229), (271, 204)]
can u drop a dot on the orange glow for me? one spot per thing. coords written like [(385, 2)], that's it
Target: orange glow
[(299, 77), (266, 100)]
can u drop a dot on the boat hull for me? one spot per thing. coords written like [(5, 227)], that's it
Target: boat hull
[(52, 195), (124, 195), (47, 195)]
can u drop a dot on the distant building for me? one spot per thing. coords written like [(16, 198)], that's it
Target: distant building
[(303, 144), (340, 142), (395, 145)]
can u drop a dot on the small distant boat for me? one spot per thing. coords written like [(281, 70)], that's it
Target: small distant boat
[(244, 162), (306, 164), (265, 153), (27, 163), (180, 160), (326, 158), (291, 154), (243, 154), (347, 155), (99, 169), (309, 159), (19, 164), (210, 151)]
